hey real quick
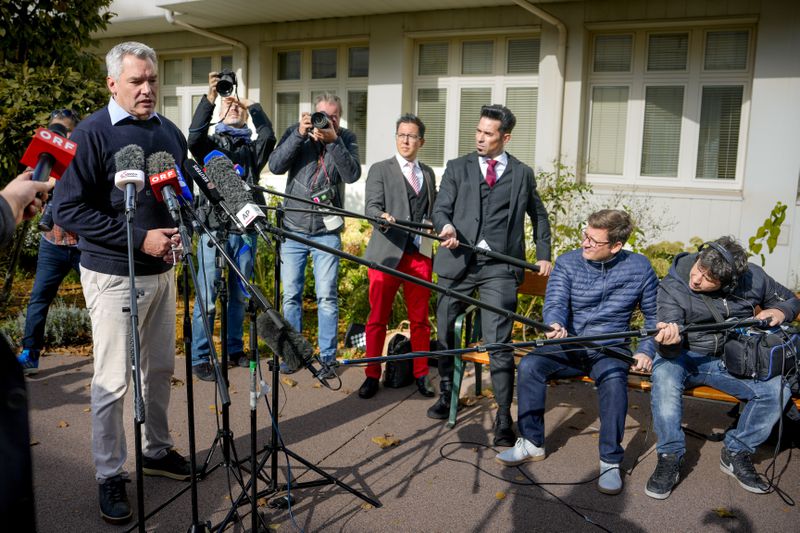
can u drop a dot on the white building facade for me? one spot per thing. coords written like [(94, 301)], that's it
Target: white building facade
[(693, 105)]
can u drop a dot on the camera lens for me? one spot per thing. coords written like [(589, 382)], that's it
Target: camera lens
[(320, 120), (226, 83)]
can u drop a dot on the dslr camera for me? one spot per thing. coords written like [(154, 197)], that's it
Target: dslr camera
[(320, 120), (227, 82)]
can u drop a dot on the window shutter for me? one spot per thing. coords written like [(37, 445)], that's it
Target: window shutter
[(172, 108), (662, 131), (432, 109), (667, 52), (720, 116), (433, 59), (609, 117), (477, 57), (201, 66), (524, 102), (323, 64), (357, 120), (612, 53), (358, 62), (726, 50), (173, 72), (472, 99), (287, 112), (523, 56), (289, 65)]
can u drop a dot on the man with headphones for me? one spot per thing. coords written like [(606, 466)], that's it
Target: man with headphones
[(715, 283)]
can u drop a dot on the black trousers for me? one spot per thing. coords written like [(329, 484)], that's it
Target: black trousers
[(496, 285)]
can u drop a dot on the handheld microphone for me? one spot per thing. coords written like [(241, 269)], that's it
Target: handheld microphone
[(164, 181), (289, 344), (130, 173), (49, 153), (216, 153), (196, 173)]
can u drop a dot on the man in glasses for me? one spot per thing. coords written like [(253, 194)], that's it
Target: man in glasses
[(483, 199), (58, 254), (592, 290), (400, 188)]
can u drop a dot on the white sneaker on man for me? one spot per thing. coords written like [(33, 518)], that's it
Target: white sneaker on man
[(523, 451)]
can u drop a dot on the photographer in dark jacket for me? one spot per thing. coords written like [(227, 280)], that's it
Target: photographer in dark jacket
[(319, 161), (718, 276), (233, 138)]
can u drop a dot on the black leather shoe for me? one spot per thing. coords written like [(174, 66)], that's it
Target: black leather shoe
[(503, 431), (239, 359), (424, 388), (441, 409), (368, 389), (204, 371)]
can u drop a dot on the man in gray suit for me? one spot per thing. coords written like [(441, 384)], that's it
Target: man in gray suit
[(482, 200), (399, 188)]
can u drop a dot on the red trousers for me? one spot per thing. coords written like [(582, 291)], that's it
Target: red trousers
[(382, 290)]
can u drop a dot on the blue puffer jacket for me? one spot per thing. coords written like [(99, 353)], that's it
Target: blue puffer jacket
[(590, 298)]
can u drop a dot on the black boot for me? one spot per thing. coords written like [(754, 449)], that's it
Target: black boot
[(503, 431), (441, 409)]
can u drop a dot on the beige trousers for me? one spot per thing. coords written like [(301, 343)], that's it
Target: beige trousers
[(106, 295)]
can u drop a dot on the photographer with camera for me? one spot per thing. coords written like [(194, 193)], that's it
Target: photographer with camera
[(58, 254), (320, 157), (233, 138)]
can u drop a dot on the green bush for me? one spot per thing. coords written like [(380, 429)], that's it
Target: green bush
[(66, 326)]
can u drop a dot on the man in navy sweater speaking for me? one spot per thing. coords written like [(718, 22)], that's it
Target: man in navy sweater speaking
[(90, 205)]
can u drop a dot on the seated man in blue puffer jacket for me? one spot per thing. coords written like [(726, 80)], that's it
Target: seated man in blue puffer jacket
[(592, 290)]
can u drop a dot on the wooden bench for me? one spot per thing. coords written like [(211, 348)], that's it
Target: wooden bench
[(535, 285)]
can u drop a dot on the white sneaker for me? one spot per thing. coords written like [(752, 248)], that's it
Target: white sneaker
[(610, 481), (523, 451)]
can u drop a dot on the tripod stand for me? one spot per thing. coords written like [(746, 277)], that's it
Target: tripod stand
[(276, 445)]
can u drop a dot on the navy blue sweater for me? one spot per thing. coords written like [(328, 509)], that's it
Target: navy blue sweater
[(87, 202)]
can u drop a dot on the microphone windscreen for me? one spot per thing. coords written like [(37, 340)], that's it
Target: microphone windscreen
[(160, 162), (231, 187), (58, 128), (130, 157), (289, 344)]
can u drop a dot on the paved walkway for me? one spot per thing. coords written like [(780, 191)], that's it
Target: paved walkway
[(432, 480)]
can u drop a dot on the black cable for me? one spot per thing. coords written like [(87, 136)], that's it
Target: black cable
[(530, 483)]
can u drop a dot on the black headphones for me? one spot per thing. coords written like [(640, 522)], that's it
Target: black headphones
[(728, 257)]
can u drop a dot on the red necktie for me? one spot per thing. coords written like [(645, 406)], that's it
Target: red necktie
[(491, 174)]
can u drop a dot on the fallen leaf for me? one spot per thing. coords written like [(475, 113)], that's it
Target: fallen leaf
[(519, 478), (346, 391), (493, 405), (367, 506), (35, 442), (724, 513), (175, 382), (289, 382), (500, 495), (468, 401), (274, 527), (634, 407), (261, 502), (62, 424), (87, 410), (316, 385), (487, 393), (386, 441)]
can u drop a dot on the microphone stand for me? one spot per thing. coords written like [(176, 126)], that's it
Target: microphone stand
[(136, 361), (276, 445), (415, 228)]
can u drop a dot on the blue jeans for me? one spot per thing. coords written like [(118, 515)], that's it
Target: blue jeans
[(690, 369), (52, 266), (294, 256), (551, 362), (242, 249)]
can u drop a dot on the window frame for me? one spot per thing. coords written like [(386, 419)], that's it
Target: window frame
[(694, 79)]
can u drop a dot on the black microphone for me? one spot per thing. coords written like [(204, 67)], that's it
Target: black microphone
[(164, 181), (130, 173), (209, 189), (235, 192), (289, 344)]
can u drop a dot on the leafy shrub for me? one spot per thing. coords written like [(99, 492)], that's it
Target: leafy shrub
[(66, 326)]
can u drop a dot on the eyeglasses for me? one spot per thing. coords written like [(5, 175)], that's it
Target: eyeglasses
[(592, 242), (64, 113), (408, 137)]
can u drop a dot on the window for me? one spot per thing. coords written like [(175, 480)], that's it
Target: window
[(184, 82), (456, 77), (669, 108), (303, 74)]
